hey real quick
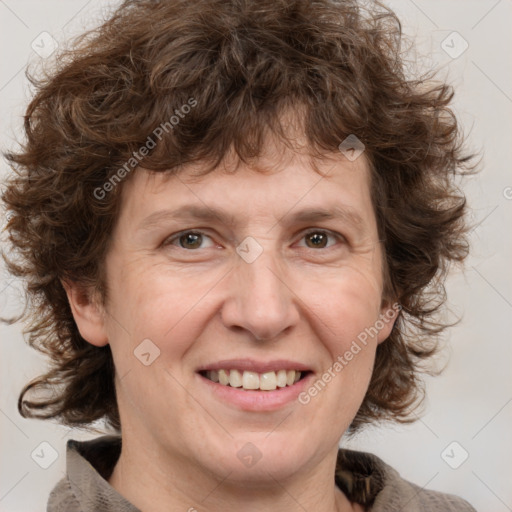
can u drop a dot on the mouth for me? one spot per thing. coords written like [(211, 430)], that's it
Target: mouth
[(255, 386), (247, 380)]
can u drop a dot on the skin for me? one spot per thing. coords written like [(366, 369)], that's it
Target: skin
[(204, 304)]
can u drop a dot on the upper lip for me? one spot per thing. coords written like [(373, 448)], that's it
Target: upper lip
[(252, 365)]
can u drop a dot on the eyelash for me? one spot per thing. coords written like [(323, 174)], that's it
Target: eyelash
[(177, 236)]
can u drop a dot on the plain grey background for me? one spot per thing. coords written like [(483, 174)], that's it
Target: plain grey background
[(461, 443)]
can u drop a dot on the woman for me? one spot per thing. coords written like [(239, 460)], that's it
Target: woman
[(235, 220)]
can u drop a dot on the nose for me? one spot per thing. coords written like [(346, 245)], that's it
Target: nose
[(261, 298)]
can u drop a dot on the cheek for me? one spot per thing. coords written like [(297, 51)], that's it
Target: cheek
[(346, 302), (171, 306), (165, 307), (346, 326)]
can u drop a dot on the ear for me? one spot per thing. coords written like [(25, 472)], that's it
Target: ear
[(388, 314), (88, 314)]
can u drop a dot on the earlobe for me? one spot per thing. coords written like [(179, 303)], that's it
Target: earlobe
[(87, 313), (387, 318)]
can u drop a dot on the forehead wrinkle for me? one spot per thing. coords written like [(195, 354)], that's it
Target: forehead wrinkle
[(204, 213)]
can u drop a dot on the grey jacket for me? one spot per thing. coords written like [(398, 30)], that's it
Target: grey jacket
[(363, 477)]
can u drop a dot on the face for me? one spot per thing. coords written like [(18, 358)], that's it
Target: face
[(263, 287)]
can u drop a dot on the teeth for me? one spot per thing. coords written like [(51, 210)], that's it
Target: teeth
[(268, 381), (223, 377), (235, 379), (281, 379), (250, 380)]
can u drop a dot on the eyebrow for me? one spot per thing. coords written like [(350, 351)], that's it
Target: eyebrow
[(203, 213)]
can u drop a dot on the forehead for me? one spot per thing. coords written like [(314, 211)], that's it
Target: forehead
[(282, 187), (274, 181)]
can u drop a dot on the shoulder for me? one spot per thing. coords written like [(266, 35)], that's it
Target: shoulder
[(368, 480)]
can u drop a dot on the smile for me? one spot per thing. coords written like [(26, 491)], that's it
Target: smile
[(250, 380)]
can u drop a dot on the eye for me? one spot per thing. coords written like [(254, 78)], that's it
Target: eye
[(187, 239), (190, 240), (317, 239)]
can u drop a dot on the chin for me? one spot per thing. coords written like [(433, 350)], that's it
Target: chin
[(262, 473), (254, 461)]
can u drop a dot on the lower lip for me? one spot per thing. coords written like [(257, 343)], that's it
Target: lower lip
[(253, 400)]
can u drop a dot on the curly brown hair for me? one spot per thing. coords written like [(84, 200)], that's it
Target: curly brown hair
[(243, 63)]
